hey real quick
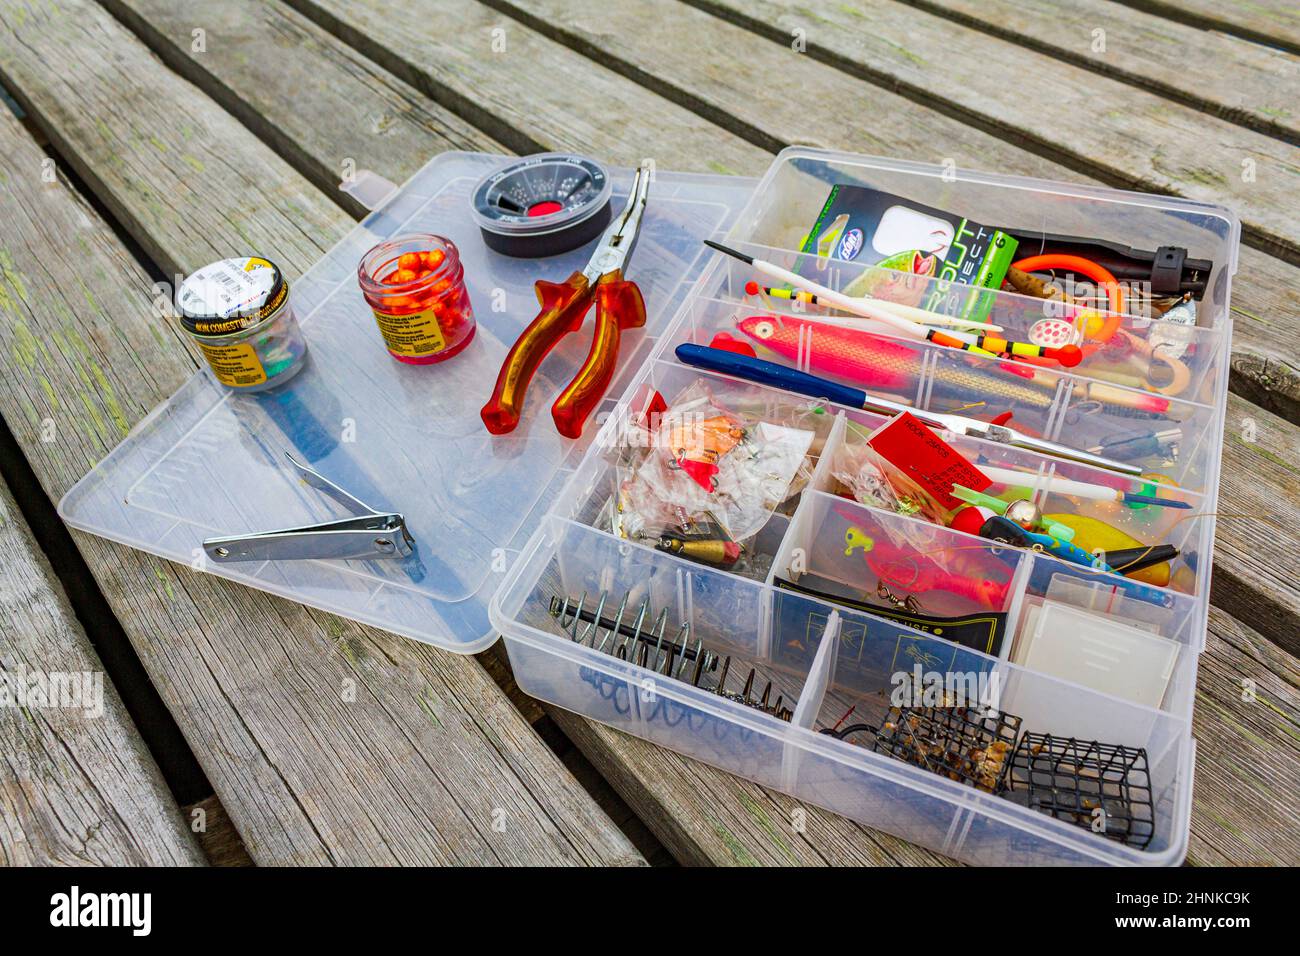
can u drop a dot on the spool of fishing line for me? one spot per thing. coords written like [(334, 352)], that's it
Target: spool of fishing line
[(542, 205)]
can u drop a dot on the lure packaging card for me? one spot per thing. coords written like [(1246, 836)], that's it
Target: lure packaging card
[(858, 224)]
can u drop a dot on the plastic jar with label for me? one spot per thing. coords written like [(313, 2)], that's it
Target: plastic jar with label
[(239, 313), (416, 287)]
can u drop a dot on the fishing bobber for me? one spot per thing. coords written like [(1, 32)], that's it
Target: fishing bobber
[(1021, 510), (970, 341), (971, 518)]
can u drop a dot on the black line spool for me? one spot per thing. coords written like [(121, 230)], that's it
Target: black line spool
[(542, 205)]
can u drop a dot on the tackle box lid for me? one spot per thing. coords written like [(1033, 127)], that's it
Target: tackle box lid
[(211, 462)]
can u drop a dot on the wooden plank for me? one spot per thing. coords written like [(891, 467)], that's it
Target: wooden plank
[(1237, 79), (1266, 316), (326, 741), (716, 68), (496, 661), (526, 90), (1248, 750), (722, 73), (1107, 129), (262, 59), (78, 787), (1270, 22), (1258, 518), (149, 146)]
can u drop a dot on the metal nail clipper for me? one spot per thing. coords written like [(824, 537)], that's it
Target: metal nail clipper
[(368, 534)]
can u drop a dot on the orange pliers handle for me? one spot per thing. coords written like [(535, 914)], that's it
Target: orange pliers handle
[(619, 306)]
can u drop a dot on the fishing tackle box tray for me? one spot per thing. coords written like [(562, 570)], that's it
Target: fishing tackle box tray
[(833, 659), (509, 527)]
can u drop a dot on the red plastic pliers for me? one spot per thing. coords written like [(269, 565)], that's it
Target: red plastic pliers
[(619, 306)]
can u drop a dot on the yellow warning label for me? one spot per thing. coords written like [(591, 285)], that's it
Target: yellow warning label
[(415, 335), (236, 366)]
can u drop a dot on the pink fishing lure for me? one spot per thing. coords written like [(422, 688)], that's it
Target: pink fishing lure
[(877, 363), (866, 359)]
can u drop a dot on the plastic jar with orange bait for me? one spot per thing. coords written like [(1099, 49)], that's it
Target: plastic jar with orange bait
[(416, 287)]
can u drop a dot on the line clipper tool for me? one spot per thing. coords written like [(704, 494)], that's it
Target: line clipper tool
[(369, 534)]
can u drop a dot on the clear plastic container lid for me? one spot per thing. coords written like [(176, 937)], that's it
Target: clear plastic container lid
[(401, 438)]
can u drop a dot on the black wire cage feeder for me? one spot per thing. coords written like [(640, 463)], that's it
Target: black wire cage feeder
[(968, 744), (1103, 787)]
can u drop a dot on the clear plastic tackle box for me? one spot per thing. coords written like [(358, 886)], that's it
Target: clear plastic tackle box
[(513, 532), (827, 659)]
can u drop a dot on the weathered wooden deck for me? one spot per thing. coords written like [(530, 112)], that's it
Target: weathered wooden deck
[(143, 153)]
